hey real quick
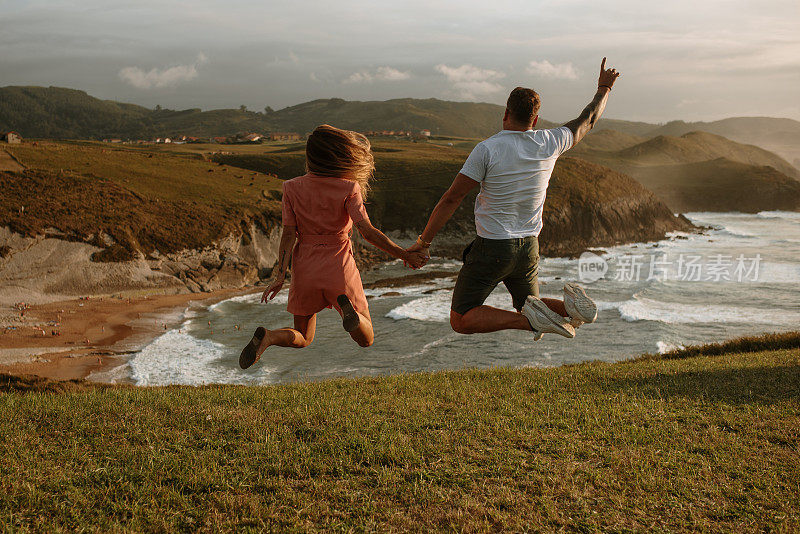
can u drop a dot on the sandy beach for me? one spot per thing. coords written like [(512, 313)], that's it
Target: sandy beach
[(72, 339)]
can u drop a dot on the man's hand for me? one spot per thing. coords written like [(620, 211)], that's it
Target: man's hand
[(592, 113), (418, 256), (607, 77), (273, 289)]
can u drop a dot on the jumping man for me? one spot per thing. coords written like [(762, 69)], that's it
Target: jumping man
[(513, 169)]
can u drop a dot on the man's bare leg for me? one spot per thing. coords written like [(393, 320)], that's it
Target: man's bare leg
[(484, 319), (556, 305), (301, 336)]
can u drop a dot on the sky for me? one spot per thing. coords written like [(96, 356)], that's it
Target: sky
[(679, 59)]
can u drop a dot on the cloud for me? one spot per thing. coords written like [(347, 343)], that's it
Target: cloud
[(386, 74), (471, 82), (559, 71), (157, 78)]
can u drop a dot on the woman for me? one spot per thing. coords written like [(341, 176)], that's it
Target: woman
[(319, 211)]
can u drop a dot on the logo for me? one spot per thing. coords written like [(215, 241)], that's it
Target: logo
[(591, 267)]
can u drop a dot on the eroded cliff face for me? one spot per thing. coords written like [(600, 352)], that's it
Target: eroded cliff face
[(587, 206), (48, 268), (592, 206)]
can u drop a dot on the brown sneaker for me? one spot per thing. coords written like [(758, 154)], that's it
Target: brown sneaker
[(250, 354)]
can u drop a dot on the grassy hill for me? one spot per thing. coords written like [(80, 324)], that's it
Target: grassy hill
[(679, 443), (701, 146), (700, 171), (186, 196), (778, 135), (721, 185), (606, 140), (143, 200), (55, 112), (460, 119)]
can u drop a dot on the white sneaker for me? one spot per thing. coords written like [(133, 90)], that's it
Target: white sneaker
[(543, 320), (578, 304)]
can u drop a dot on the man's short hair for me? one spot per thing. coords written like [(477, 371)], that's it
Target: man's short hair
[(523, 105)]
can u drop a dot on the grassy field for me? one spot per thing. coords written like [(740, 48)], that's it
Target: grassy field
[(703, 442), (153, 173), (145, 200)]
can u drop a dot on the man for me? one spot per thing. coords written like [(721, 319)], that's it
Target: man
[(513, 169)]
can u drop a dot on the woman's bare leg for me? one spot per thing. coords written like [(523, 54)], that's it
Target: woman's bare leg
[(301, 336), (363, 335)]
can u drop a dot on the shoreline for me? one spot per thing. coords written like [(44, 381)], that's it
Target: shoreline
[(98, 334), (94, 334)]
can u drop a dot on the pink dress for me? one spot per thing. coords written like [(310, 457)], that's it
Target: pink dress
[(323, 209)]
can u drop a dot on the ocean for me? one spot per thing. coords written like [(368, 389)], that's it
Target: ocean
[(741, 276)]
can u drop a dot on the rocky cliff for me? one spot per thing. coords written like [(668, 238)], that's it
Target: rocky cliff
[(47, 267), (64, 235), (592, 206)]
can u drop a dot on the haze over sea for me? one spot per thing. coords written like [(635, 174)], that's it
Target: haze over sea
[(748, 267)]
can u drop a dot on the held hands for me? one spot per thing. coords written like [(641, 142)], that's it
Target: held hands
[(607, 77), (274, 288), (417, 256)]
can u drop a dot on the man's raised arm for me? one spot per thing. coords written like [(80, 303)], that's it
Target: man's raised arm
[(591, 113)]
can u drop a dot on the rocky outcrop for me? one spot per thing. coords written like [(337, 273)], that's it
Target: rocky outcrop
[(592, 206), (47, 267)]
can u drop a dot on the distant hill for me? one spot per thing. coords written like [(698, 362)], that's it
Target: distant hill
[(459, 119), (606, 140), (721, 185), (55, 112), (701, 146), (640, 129), (778, 135), (781, 136), (699, 171)]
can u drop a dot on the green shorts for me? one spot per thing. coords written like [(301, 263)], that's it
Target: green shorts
[(487, 262)]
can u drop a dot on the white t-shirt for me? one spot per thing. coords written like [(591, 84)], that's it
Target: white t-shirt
[(514, 169)]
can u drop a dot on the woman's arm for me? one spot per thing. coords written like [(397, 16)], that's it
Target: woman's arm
[(380, 240), (288, 238)]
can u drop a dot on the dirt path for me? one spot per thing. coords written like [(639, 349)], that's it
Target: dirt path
[(7, 163)]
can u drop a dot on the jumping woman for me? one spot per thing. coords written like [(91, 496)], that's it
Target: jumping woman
[(319, 211)]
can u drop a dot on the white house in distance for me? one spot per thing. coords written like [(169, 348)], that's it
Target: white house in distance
[(425, 133), (10, 137)]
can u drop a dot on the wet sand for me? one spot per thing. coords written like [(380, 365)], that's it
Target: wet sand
[(94, 334)]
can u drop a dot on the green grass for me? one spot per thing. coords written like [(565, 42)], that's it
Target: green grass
[(704, 443)]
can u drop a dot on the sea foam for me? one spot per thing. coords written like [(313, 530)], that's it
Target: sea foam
[(177, 357)]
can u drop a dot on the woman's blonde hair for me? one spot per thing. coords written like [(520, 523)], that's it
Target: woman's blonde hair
[(340, 153)]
